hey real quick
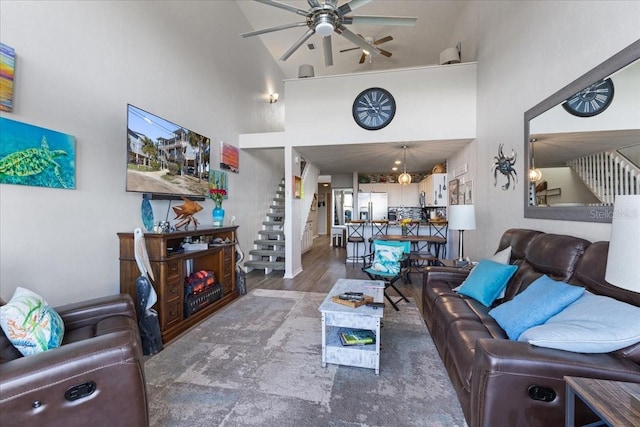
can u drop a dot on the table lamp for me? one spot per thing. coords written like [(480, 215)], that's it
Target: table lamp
[(624, 250), (461, 218)]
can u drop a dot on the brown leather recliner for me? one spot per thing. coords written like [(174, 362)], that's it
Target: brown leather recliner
[(501, 382), (96, 377)]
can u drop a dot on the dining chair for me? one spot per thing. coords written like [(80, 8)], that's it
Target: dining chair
[(388, 262), (355, 235), (440, 229), (379, 227)]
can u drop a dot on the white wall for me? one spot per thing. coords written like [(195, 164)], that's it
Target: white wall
[(526, 51), (78, 65)]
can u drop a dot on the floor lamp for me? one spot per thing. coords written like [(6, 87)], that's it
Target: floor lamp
[(624, 249), (461, 218)]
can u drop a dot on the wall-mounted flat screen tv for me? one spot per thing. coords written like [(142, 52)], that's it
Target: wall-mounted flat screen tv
[(164, 158)]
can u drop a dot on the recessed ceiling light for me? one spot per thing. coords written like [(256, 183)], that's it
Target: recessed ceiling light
[(394, 168), (397, 162)]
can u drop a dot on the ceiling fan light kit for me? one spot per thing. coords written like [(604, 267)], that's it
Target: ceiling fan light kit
[(326, 18)]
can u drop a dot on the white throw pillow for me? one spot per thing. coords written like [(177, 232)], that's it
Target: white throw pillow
[(31, 324), (592, 324), (502, 257)]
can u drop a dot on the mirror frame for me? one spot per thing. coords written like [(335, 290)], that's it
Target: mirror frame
[(602, 214)]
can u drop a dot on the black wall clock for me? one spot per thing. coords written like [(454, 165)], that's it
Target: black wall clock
[(591, 101), (374, 108)]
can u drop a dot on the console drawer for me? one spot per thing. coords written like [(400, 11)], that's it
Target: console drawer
[(172, 312)]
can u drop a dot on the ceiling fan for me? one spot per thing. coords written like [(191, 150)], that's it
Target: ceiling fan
[(326, 18), (367, 52)]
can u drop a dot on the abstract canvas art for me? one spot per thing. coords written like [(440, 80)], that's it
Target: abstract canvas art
[(31, 155), (7, 70), (229, 157)]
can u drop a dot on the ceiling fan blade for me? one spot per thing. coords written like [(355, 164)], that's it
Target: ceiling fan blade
[(352, 5), (328, 52), (284, 6), (297, 44), (313, 3), (331, 3), (362, 58), (353, 38), (385, 53), (350, 49), (405, 21), (272, 29), (383, 40)]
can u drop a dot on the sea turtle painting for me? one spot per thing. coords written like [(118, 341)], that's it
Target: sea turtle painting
[(33, 161)]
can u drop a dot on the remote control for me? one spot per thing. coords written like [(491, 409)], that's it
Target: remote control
[(346, 297), (375, 304), (353, 293)]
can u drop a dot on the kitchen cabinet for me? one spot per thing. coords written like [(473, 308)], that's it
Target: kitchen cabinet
[(434, 186), (397, 195)]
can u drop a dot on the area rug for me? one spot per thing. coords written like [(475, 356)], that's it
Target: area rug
[(257, 362)]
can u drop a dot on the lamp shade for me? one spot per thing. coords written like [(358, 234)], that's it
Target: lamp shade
[(462, 217), (624, 244)]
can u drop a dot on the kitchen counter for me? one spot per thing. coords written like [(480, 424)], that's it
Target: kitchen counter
[(395, 228)]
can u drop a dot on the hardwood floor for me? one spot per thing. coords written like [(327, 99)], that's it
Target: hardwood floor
[(322, 265)]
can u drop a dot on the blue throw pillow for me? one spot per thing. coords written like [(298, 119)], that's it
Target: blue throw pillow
[(591, 324), (543, 298), (486, 281)]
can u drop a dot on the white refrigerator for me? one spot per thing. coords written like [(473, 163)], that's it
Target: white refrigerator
[(372, 206)]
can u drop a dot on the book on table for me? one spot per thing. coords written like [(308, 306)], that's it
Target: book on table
[(357, 337)]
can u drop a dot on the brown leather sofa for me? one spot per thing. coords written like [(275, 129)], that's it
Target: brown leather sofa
[(96, 377), (501, 382)]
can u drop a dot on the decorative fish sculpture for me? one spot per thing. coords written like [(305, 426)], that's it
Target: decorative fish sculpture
[(185, 214)]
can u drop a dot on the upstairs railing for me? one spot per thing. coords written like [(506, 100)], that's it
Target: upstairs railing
[(607, 174)]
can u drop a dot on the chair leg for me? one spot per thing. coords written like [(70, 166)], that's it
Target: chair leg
[(391, 301)]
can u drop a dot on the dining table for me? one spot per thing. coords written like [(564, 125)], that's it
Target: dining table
[(419, 257)]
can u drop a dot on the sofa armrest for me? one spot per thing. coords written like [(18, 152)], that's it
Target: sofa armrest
[(90, 312), (32, 388), (452, 274), (505, 372)]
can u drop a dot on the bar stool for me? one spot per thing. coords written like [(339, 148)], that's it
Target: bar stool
[(378, 228), (440, 229), (355, 235)]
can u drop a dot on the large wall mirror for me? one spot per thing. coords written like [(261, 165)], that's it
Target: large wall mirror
[(586, 149)]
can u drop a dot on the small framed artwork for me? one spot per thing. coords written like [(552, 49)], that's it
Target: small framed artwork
[(297, 187), (466, 192), (454, 190), (229, 157)]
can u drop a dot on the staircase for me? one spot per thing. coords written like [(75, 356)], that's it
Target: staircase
[(607, 174), (269, 248)]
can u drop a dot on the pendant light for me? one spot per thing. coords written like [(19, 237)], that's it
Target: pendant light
[(404, 178), (535, 174)]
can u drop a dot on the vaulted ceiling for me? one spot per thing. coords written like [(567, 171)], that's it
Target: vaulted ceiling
[(412, 46)]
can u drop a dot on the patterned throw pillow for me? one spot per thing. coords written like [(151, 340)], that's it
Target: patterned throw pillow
[(387, 259), (31, 324)]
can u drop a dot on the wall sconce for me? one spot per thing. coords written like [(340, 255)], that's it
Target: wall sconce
[(451, 55), (273, 98)]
